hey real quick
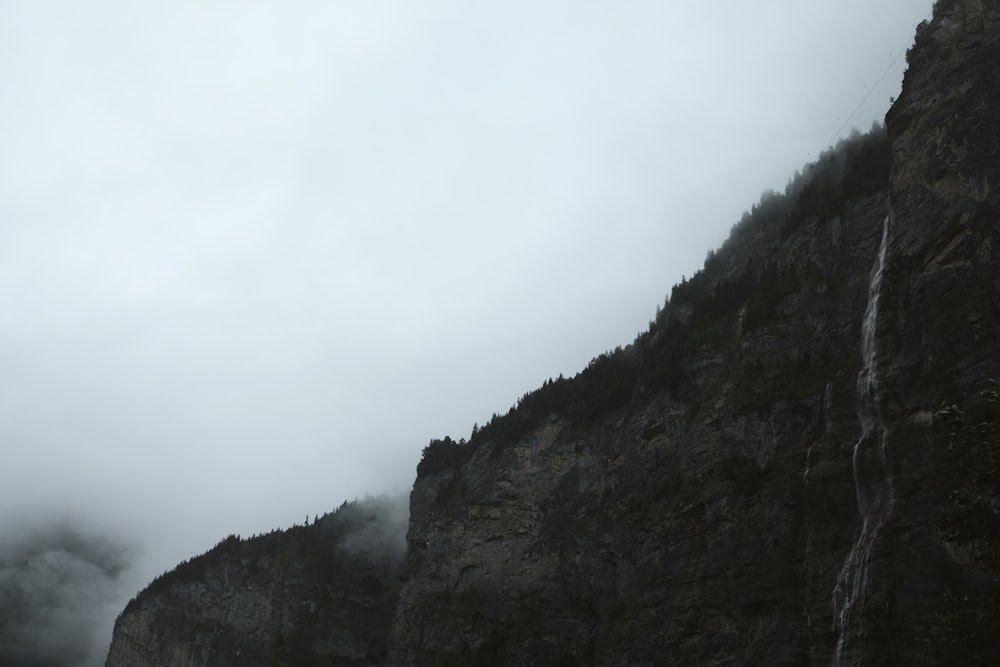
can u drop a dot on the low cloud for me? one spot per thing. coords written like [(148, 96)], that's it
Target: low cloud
[(382, 522), (59, 589)]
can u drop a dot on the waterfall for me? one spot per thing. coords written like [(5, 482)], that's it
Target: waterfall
[(872, 475)]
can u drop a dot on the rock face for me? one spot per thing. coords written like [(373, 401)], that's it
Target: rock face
[(711, 523), (312, 595), (708, 495), (707, 526)]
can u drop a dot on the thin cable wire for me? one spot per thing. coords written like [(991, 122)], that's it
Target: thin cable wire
[(865, 98)]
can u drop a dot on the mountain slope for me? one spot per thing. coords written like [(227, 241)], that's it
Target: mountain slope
[(716, 489), (724, 490)]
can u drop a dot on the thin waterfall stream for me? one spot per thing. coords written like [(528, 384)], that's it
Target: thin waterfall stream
[(872, 474)]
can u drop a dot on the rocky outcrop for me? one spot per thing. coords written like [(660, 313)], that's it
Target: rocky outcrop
[(311, 595), (707, 495)]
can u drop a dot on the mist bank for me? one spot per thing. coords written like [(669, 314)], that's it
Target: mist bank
[(60, 586)]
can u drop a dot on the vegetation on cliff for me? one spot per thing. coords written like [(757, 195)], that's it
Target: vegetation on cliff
[(699, 309), (279, 598), (369, 526)]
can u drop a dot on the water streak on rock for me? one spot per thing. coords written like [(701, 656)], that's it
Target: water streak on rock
[(872, 474)]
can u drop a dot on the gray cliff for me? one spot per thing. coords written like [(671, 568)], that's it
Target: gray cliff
[(724, 490)]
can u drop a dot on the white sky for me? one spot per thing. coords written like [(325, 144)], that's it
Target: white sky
[(253, 255)]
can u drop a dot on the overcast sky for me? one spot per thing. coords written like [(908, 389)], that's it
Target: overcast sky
[(254, 255)]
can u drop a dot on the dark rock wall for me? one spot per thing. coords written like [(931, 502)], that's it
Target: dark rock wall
[(937, 598), (703, 528)]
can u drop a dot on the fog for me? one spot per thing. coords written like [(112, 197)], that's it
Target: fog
[(253, 257), (60, 586), (383, 530)]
